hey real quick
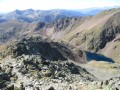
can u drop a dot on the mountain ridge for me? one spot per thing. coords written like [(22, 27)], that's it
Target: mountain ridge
[(31, 15)]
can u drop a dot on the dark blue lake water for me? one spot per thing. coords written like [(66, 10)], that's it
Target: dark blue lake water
[(97, 57)]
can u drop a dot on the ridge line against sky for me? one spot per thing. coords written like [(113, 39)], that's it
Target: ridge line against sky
[(10, 5)]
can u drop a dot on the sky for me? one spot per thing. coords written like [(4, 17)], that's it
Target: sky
[(10, 5)]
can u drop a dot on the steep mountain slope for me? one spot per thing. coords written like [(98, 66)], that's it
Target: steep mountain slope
[(112, 49), (9, 30), (95, 32), (91, 26), (55, 30)]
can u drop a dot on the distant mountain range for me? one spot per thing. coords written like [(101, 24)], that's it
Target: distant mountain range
[(94, 10), (31, 15)]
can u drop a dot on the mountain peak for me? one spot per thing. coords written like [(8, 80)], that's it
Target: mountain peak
[(18, 11)]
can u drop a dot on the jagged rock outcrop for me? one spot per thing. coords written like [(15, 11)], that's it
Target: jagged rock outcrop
[(46, 48)]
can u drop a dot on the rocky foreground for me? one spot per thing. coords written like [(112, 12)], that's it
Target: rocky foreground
[(39, 64), (31, 73)]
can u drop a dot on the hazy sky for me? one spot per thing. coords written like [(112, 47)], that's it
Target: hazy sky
[(10, 5)]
